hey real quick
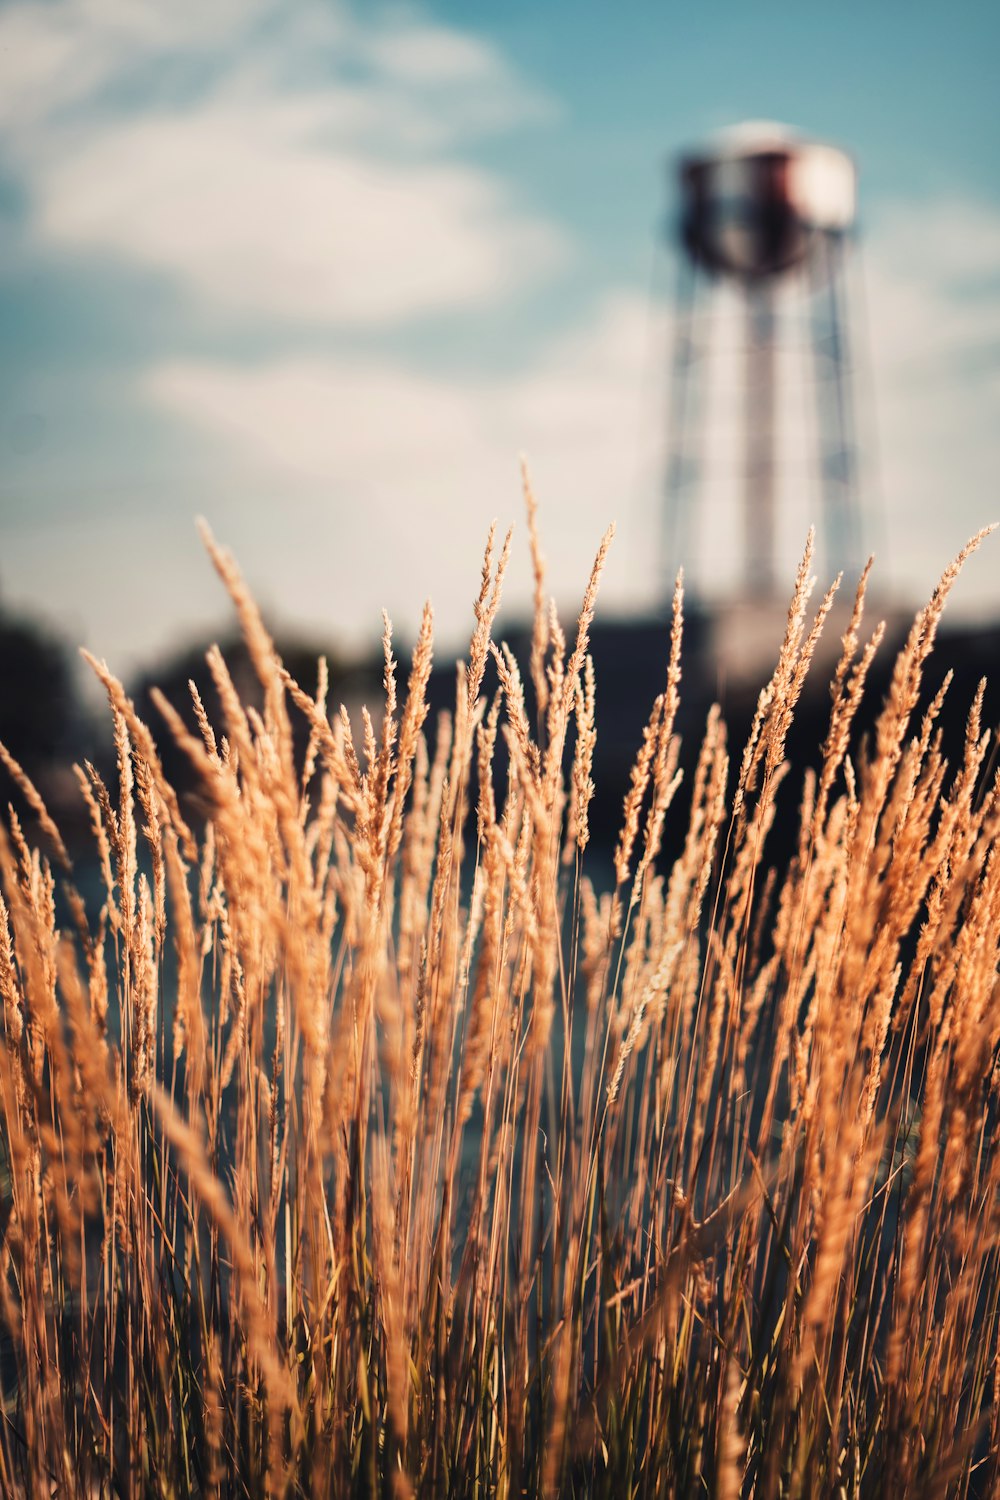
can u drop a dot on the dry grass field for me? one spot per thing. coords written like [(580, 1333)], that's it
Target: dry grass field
[(359, 1142)]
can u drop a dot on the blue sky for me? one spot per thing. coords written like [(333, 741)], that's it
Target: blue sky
[(321, 273)]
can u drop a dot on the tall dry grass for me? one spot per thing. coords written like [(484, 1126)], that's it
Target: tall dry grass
[(359, 1144)]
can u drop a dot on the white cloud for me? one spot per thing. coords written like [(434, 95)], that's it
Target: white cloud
[(427, 54), (394, 476), (57, 57), (285, 188), (242, 205), (325, 419), (346, 487), (933, 299)]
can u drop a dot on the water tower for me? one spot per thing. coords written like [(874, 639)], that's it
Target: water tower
[(765, 212)]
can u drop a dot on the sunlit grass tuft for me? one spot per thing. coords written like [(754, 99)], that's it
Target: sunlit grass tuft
[(360, 1144)]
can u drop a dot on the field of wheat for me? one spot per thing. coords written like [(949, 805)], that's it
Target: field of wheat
[(358, 1141)]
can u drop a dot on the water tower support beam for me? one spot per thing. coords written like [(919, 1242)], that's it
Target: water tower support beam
[(837, 440), (759, 440), (681, 456)]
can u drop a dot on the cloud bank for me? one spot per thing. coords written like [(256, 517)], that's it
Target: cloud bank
[(290, 162)]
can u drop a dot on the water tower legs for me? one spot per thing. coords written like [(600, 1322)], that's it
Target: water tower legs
[(762, 210)]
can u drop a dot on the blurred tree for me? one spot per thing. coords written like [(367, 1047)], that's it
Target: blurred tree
[(42, 719)]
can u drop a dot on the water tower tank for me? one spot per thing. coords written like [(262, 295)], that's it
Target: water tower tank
[(755, 199)]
